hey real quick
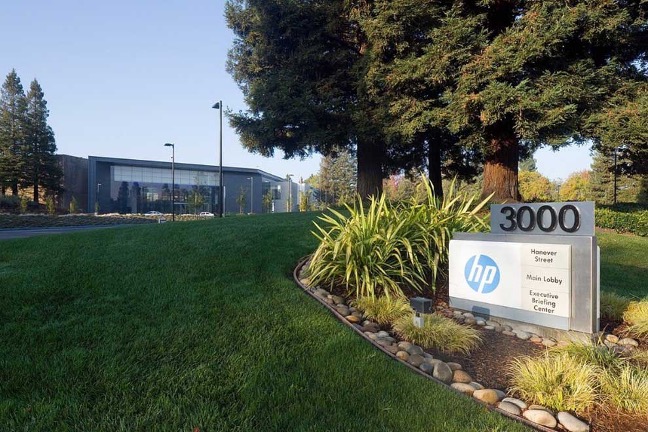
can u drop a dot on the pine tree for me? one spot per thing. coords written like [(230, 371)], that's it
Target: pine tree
[(13, 130), (629, 186), (42, 168), (336, 178)]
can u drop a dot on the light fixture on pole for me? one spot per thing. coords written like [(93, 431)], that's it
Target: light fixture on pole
[(219, 106), (251, 194), (615, 174), (172, 179), (290, 204)]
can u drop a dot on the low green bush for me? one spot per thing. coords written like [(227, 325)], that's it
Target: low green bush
[(438, 332), (592, 353), (560, 382), (383, 310), (632, 220)]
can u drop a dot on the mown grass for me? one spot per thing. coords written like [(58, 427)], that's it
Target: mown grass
[(180, 326), (623, 264)]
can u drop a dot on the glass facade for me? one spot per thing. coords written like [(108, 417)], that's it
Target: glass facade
[(134, 189)]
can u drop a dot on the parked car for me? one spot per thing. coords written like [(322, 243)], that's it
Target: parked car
[(206, 214)]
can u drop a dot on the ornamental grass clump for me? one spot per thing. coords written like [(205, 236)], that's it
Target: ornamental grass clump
[(382, 249), (636, 315), (626, 390), (560, 382), (372, 252), (591, 353), (438, 332), (383, 310), (613, 306)]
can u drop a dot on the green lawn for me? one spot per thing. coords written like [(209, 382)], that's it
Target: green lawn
[(179, 326), (195, 325), (624, 264)]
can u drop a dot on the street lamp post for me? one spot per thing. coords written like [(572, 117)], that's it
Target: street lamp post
[(219, 106), (615, 174), (290, 204), (172, 179), (97, 199), (251, 194)]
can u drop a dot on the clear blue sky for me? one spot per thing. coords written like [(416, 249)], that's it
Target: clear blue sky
[(123, 77)]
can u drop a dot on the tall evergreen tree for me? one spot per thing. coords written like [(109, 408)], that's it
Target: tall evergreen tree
[(42, 168), (629, 186), (13, 130), (299, 65), (506, 77), (337, 178)]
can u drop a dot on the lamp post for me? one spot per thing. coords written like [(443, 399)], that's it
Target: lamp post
[(251, 194), (289, 176), (97, 199), (172, 179), (219, 106)]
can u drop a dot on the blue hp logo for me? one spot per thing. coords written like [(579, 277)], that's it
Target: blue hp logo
[(482, 274)]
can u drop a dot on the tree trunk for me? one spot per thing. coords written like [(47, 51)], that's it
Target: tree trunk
[(501, 168), (434, 167), (14, 188), (370, 168), (36, 191)]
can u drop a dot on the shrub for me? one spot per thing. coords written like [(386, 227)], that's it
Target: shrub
[(613, 306), (636, 315), (559, 382), (50, 205), (9, 202), (438, 332), (24, 203), (74, 206), (383, 310), (626, 390), (623, 219)]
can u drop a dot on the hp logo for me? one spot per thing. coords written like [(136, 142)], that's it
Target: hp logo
[(482, 274)]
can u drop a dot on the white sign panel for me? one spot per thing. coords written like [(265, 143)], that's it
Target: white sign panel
[(531, 277)]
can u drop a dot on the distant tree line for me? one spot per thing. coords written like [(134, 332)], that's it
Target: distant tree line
[(27, 144), (449, 88)]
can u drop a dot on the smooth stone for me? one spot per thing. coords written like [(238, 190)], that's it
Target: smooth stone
[(500, 394), (535, 339), (522, 334), (415, 350), (427, 356), (571, 423), (454, 366), (489, 396), (507, 327), (470, 321), (426, 367), (442, 372), (352, 309), (402, 355), (460, 376), (337, 299), (432, 361), (468, 315), (383, 334), (563, 343), (329, 301), (509, 408), (612, 338), (508, 333), (540, 407), (457, 313), (481, 323), (549, 343), (540, 417), (493, 323), (371, 336), (358, 326), (392, 349), (389, 338), (343, 310), (384, 342), (477, 386), (416, 360), (322, 292), (520, 404), (489, 327), (358, 315), (628, 342), (352, 319), (305, 281), (463, 388), (404, 345)]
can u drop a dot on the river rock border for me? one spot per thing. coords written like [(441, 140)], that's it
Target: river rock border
[(449, 374)]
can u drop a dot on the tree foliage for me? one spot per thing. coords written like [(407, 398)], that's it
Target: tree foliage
[(336, 179), (27, 145), (576, 187), (534, 187), (631, 188)]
